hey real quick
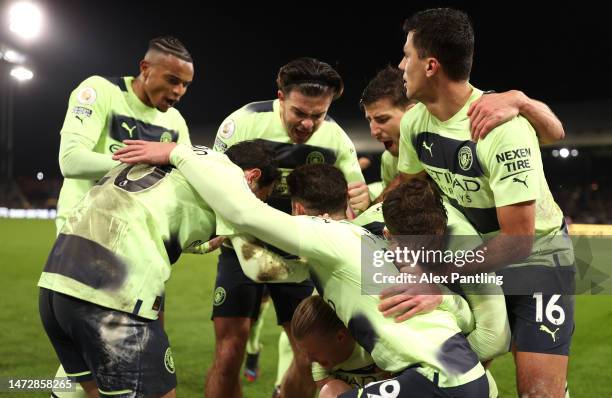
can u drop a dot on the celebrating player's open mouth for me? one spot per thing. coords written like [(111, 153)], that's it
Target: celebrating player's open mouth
[(387, 143), (390, 144), (300, 135)]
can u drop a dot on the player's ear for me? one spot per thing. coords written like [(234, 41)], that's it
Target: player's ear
[(280, 95), (253, 176), (432, 67), (145, 68), (387, 234), (297, 209)]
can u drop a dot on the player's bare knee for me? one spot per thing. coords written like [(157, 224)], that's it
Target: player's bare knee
[(541, 375), (540, 386), (230, 352)]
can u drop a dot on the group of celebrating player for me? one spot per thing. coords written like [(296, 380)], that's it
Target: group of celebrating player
[(281, 193)]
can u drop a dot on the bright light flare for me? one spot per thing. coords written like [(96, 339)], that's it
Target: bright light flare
[(22, 74), (25, 19)]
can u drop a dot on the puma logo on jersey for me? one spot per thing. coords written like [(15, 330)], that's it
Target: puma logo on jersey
[(428, 148), (524, 182), (545, 329), (80, 119), (129, 130)]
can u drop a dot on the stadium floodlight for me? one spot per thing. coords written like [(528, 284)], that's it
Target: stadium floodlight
[(574, 152), (564, 152), (12, 56), (22, 74), (25, 19), (555, 153), (40, 176)]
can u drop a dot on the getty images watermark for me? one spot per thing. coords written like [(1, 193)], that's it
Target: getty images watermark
[(558, 264), (423, 260), (411, 257)]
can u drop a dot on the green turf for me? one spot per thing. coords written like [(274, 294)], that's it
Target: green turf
[(26, 352)]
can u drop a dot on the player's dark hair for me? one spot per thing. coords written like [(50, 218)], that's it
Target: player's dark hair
[(314, 316), (447, 35), (416, 218), (254, 154), (321, 188), (310, 77), (170, 45), (387, 84), (415, 207)]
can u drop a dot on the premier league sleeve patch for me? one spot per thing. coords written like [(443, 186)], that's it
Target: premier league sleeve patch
[(227, 129), (86, 96)]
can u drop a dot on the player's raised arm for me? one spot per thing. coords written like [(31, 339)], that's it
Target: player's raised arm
[(222, 185), (491, 110)]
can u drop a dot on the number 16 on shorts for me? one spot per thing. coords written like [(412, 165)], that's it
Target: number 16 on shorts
[(553, 312)]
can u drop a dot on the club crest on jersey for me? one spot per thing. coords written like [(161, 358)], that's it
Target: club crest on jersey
[(86, 96), (465, 158), (315, 157), (219, 296), (169, 361), (227, 129), (165, 137)]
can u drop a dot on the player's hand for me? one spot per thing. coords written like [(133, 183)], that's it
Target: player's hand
[(350, 213), (491, 110), (359, 195), (215, 243), (364, 162), (398, 301), (138, 151)]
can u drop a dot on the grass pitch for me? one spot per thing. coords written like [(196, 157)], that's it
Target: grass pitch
[(25, 351)]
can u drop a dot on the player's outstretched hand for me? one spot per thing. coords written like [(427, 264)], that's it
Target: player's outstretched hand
[(491, 110), (359, 195), (215, 243), (138, 151)]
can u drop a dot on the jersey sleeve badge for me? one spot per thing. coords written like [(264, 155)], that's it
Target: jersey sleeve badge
[(227, 129), (86, 96)]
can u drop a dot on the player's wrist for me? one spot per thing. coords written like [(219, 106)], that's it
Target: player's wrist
[(521, 100), (177, 153)]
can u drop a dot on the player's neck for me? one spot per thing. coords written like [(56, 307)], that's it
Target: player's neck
[(335, 217), (138, 88), (339, 216), (448, 99)]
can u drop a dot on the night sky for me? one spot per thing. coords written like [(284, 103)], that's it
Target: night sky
[(557, 54)]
